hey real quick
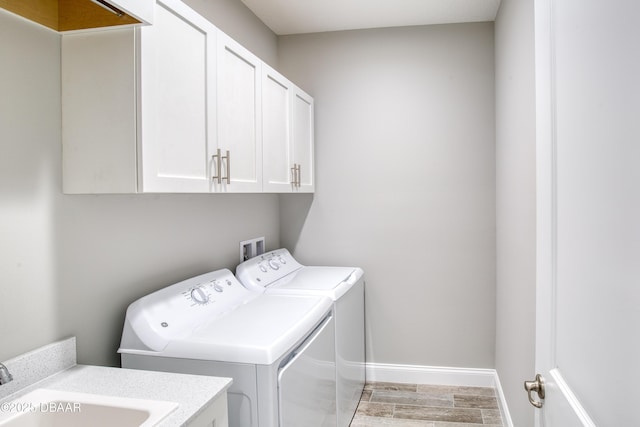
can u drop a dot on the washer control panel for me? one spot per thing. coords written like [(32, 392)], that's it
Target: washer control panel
[(205, 292), (260, 272)]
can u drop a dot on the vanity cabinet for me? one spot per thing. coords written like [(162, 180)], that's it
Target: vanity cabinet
[(138, 106), (287, 135), (215, 415), (68, 15)]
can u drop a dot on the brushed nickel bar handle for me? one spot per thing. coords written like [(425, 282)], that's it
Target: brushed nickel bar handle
[(218, 162), (228, 177), (298, 175), (294, 180)]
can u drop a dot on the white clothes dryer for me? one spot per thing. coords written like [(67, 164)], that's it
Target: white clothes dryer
[(278, 349), (278, 273)]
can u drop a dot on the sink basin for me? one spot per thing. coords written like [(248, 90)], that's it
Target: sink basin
[(54, 408)]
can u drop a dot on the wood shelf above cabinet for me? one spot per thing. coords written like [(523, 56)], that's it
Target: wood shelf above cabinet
[(67, 15)]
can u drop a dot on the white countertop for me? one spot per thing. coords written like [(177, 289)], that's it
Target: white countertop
[(193, 393)]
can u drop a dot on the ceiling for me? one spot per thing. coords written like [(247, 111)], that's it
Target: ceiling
[(311, 16)]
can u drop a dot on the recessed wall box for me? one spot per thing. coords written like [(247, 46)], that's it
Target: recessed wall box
[(251, 248)]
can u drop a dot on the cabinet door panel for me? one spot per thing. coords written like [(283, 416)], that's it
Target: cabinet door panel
[(276, 132), (239, 116), (303, 139), (176, 62)]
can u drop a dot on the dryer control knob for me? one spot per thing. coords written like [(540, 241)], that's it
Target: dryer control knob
[(274, 265), (199, 296)]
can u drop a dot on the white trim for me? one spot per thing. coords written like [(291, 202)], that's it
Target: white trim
[(440, 375), (502, 402), (437, 375), (570, 397)]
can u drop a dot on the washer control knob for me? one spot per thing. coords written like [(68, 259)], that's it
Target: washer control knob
[(199, 296), (217, 287), (263, 268), (282, 260), (273, 264)]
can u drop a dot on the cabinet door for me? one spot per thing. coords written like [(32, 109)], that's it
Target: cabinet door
[(177, 100), (239, 118), (303, 140), (277, 95)]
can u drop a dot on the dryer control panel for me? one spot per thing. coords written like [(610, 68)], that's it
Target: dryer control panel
[(165, 315), (262, 271)]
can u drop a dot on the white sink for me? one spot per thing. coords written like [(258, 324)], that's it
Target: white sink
[(54, 408)]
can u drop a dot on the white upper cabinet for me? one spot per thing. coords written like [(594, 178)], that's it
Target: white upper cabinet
[(99, 112), (303, 146), (287, 135), (177, 102), (277, 97), (239, 119), (140, 127), (179, 107)]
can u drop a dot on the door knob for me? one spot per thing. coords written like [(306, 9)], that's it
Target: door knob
[(538, 387)]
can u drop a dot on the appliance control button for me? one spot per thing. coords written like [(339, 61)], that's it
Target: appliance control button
[(217, 287), (199, 296), (228, 282), (282, 260), (273, 264), (263, 268)]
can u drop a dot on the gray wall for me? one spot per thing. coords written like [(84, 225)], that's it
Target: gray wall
[(70, 265), (405, 183), (237, 21), (515, 203), (29, 185)]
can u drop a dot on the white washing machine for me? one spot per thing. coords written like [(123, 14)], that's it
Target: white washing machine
[(278, 273), (279, 349)]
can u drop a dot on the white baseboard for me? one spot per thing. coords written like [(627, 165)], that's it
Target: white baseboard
[(502, 402), (413, 374), (438, 375)]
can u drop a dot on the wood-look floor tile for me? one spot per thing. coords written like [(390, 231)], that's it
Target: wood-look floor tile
[(365, 421), (373, 409), (416, 405), (472, 401), (412, 398), (460, 415), (445, 424), (477, 391), (391, 386), (492, 416), (366, 395)]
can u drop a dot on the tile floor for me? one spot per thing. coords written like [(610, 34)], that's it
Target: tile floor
[(413, 405)]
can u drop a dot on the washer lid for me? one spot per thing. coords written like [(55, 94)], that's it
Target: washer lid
[(258, 332), (332, 282), (278, 272)]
